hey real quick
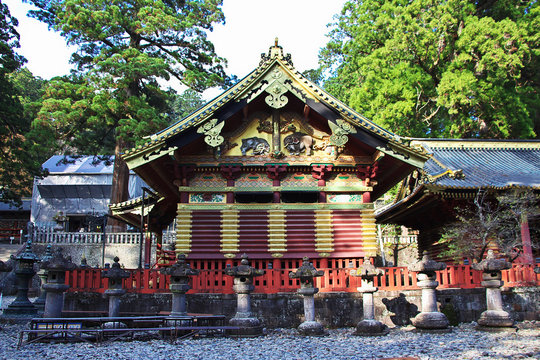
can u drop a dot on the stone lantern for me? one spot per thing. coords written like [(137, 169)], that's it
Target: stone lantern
[(180, 273), (430, 318), (56, 267), (116, 276), (24, 271), (368, 326), (491, 268), (39, 303), (306, 273), (243, 286)]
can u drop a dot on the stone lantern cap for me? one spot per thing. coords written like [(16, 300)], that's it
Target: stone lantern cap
[(84, 264), (244, 269), (426, 265), (306, 272), (5, 267), (27, 255), (490, 263), (180, 268), (48, 254), (366, 271), (115, 272), (58, 262)]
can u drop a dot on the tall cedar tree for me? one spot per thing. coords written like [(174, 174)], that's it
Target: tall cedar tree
[(17, 165), (432, 68), (124, 47)]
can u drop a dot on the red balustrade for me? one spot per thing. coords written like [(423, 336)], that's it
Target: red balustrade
[(212, 278)]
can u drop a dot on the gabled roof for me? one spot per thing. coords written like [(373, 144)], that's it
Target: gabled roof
[(473, 164), (457, 168), (272, 66), (82, 164)]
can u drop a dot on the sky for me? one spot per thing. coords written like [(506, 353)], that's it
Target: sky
[(250, 29)]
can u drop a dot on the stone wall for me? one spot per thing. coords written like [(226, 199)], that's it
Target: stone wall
[(128, 253), (394, 308)]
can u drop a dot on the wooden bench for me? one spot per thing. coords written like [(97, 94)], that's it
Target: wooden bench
[(74, 329)]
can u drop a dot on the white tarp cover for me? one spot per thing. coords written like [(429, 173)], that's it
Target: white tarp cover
[(78, 186)]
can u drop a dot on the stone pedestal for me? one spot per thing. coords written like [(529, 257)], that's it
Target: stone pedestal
[(24, 271), (430, 318), (243, 287), (368, 326), (494, 316), (114, 296), (55, 287), (39, 303), (180, 273), (306, 273), (116, 276)]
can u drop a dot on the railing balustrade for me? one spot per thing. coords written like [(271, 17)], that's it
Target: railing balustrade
[(399, 239), (212, 278), (50, 236)]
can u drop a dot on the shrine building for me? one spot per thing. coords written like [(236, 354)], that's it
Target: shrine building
[(457, 170), (274, 167)]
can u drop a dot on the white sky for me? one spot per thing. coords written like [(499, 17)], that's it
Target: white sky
[(250, 29)]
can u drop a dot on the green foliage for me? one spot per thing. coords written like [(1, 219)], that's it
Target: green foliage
[(434, 68), (490, 221), (18, 164), (123, 49), (185, 104)]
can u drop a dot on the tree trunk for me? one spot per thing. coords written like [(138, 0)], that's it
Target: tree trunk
[(119, 192), (396, 255)]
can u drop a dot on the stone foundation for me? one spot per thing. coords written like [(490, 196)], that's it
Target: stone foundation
[(392, 308)]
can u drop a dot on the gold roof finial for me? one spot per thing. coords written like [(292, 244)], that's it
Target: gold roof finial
[(274, 52)]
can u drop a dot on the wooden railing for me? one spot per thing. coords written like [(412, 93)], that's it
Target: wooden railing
[(212, 278)]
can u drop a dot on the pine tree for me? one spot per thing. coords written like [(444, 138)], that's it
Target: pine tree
[(124, 48)]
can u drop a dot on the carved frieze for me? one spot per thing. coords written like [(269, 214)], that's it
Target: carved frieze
[(212, 130), (276, 97), (340, 130)]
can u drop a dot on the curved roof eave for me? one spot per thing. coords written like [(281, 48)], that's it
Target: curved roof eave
[(248, 82)]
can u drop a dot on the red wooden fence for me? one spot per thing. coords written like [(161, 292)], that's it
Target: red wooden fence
[(212, 278)]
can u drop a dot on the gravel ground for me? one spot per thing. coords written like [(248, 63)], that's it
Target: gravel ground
[(464, 342)]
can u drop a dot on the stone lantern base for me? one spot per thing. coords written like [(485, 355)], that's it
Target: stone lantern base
[(21, 310), (430, 321), (311, 328), (371, 328), (495, 318), (247, 327)]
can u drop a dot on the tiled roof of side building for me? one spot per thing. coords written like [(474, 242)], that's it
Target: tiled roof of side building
[(482, 163)]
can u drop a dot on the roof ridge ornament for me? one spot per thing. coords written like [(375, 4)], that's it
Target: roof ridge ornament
[(275, 52)]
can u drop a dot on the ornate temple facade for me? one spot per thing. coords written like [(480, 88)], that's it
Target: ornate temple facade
[(274, 167)]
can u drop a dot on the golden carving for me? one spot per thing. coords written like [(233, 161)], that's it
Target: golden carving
[(340, 131), (212, 131), (276, 97)]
